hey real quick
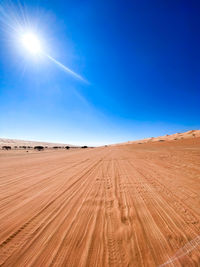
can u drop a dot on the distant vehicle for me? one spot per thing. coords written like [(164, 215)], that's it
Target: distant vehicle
[(39, 148), (67, 147), (6, 147), (84, 147)]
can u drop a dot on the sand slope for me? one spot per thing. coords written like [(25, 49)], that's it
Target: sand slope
[(172, 137), (134, 205), (15, 142)]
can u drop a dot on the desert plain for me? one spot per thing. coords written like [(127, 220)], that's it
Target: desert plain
[(133, 204)]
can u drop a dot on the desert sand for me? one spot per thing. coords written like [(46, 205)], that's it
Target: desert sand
[(172, 137), (15, 142), (131, 205)]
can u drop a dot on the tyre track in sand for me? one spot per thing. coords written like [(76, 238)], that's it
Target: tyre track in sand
[(120, 206), (21, 233)]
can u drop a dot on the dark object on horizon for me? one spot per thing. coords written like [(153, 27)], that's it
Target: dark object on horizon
[(6, 147), (84, 147), (24, 147), (55, 147), (67, 147), (161, 140), (15, 147), (39, 148)]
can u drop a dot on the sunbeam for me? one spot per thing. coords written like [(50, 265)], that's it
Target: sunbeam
[(71, 72), (18, 26)]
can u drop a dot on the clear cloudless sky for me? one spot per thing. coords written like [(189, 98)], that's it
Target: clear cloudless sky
[(141, 60)]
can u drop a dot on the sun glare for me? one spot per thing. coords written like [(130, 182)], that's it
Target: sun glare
[(31, 42)]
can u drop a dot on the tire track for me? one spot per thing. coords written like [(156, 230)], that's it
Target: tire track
[(127, 206), (9, 251)]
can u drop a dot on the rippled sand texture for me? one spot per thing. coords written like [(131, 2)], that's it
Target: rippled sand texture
[(132, 205)]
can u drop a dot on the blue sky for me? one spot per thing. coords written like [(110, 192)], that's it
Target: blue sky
[(141, 60)]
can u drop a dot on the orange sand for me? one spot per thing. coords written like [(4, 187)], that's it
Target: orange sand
[(132, 205)]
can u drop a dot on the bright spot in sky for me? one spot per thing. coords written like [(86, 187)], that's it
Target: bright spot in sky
[(31, 42)]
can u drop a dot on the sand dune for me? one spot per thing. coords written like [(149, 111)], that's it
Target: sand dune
[(116, 206), (15, 142), (172, 137)]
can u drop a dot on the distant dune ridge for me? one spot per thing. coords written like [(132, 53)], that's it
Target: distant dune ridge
[(172, 137), (14, 142)]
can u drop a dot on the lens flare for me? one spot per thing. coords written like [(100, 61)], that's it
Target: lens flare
[(16, 23), (31, 42)]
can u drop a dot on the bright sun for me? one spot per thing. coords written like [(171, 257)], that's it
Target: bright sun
[(31, 43)]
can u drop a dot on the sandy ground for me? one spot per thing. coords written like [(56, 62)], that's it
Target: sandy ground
[(131, 205), (173, 137)]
